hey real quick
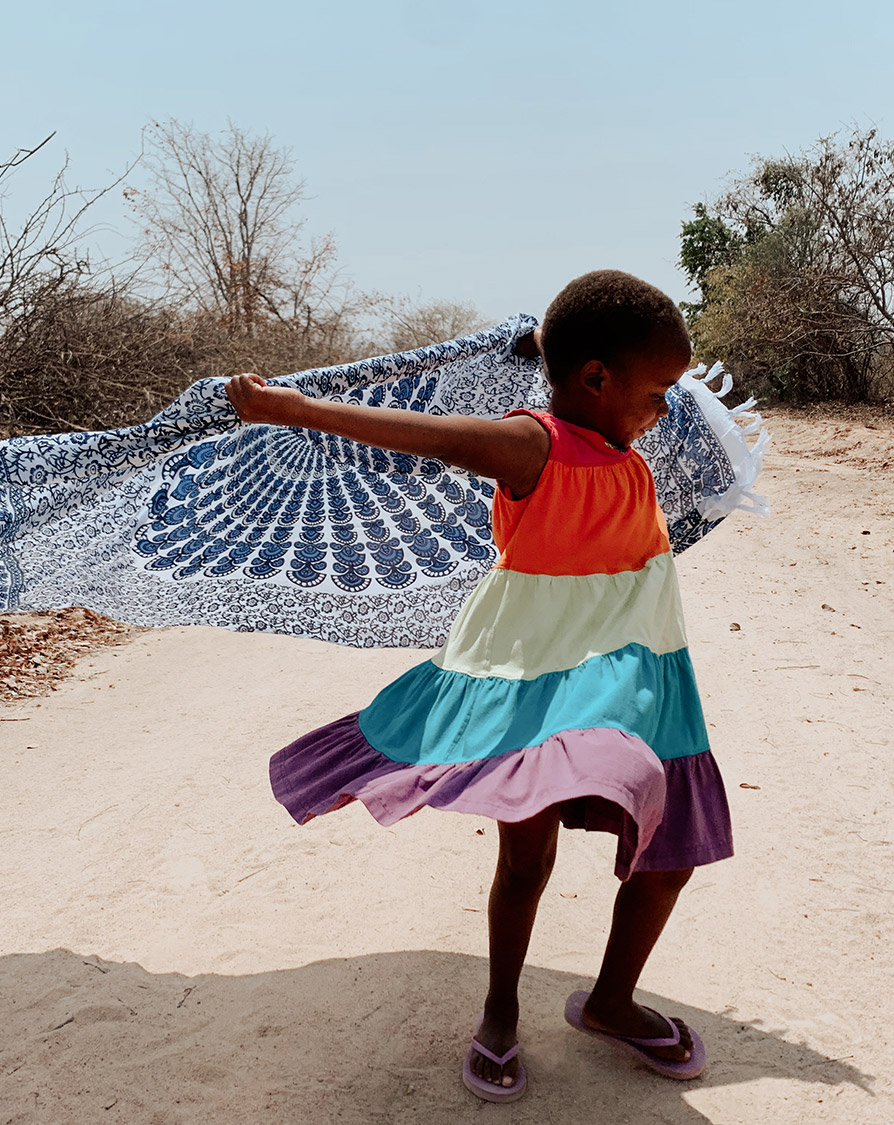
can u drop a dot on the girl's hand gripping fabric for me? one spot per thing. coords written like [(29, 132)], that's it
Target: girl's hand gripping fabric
[(258, 404)]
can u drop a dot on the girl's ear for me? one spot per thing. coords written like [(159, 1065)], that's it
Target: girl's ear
[(592, 376)]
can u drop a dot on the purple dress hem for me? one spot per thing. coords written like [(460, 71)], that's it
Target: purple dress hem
[(667, 816)]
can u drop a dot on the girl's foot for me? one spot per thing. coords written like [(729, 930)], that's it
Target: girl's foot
[(633, 1020), (498, 1031)]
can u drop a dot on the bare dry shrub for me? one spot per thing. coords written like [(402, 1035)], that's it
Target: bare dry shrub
[(407, 324), (99, 358), (89, 358)]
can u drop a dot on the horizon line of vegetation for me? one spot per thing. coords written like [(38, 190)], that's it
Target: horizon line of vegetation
[(791, 269)]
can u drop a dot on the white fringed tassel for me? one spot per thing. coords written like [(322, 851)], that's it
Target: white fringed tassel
[(732, 428)]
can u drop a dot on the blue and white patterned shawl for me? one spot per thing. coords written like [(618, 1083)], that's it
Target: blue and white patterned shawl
[(195, 519)]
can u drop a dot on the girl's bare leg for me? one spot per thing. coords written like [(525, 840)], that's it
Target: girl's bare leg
[(525, 863), (642, 906)]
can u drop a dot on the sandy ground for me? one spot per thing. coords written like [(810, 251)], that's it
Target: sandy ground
[(174, 949)]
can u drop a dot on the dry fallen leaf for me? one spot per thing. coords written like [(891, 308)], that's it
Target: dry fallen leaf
[(37, 650)]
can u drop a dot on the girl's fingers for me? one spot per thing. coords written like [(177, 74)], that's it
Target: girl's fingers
[(241, 389), (255, 401), (246, 381), (241, 385)]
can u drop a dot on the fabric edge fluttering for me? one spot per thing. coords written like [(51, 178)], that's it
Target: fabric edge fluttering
[(732, 427)]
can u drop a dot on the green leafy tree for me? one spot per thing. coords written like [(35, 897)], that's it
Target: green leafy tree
[(794, 270), (706, 242)]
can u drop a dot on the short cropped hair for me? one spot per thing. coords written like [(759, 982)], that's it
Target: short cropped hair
[(610, 316)]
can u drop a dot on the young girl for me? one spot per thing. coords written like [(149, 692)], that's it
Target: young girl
[(564, 692)]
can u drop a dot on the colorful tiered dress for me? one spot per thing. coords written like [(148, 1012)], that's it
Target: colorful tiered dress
[(565, 680)]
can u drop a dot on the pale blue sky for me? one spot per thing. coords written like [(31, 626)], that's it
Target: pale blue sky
[(471, 151)]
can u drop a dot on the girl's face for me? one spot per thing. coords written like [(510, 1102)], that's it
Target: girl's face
[(629, 402)]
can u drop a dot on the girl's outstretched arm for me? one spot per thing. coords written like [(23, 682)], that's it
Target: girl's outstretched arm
[(512, 451)]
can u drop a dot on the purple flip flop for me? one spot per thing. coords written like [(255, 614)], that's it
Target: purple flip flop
[(488, 1091), (641, 1048)]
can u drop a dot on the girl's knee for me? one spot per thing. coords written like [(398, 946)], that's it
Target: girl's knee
[(526, 874), (523, 880), (528, 853)]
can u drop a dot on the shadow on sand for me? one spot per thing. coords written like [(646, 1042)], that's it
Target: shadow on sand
[(377, 1038)]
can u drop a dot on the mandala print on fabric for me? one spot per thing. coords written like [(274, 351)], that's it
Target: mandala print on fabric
[(193, 518)]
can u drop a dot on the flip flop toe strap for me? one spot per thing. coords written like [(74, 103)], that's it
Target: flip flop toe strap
[(665, 1041), (499, 1060)]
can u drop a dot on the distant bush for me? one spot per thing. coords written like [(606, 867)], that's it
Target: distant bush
[(794, 268), (86, 358), (90, 357)]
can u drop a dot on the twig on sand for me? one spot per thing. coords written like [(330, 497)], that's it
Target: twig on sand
[(824, 1062), (256, 872), (94, 817), (185, 995)]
